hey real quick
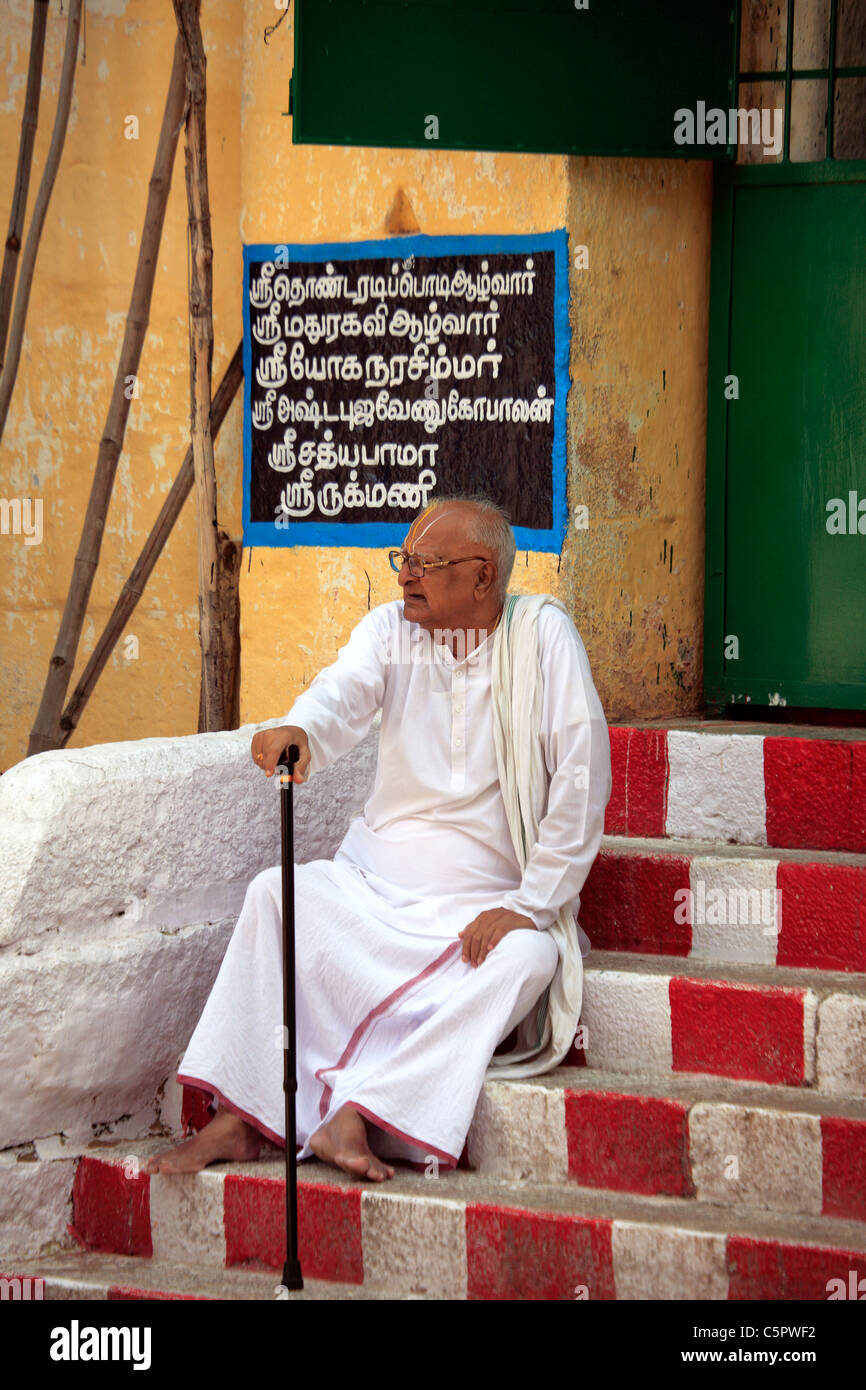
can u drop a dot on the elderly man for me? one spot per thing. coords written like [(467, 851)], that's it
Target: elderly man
[(445, 921)]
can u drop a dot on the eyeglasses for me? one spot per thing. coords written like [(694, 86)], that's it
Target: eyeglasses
[(399, 558)]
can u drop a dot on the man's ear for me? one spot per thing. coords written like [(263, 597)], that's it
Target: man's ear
[(490, 567)]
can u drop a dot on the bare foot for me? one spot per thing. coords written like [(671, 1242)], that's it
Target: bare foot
[(343, 1142), (227, 1137)]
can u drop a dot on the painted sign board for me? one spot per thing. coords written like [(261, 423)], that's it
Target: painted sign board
[(379, 375)]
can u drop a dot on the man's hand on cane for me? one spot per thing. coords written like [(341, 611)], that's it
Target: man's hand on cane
[(269, 745)]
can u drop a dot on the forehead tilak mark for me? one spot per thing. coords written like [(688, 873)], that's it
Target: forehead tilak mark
[(413, 537)]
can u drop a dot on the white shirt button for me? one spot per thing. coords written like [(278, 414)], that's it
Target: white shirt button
[(458, 709), (458, 743)]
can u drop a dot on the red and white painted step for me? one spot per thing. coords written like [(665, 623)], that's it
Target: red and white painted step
[(755, 785), (648, 1015), (461, 1236), (803, 909), (729, 1144)]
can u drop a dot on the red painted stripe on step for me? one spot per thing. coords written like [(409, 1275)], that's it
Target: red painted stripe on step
[(639, 774), (844, 1167), (513, 1254), (816, 793), (628, 903), (750, 1032), (762, 1269), (329, 1227), (110, 1211), (823, 916), (628, 1143)]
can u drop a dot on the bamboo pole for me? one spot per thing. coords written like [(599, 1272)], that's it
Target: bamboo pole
[(213, 699), (40, 208), (146, 562), (46, 732), (29, 123)]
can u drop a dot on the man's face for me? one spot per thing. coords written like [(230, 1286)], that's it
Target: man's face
[(443, 598)]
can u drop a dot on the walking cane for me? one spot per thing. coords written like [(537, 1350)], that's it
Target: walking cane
[(292, 1277)]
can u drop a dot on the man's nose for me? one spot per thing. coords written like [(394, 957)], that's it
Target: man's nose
[(403, 573)]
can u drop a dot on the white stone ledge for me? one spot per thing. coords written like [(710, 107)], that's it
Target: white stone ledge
[(164, 832), (124, 866)]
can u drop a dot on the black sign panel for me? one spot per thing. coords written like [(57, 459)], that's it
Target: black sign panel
[(380, 375)]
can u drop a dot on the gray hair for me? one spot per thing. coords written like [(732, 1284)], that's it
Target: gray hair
[(490, 526)]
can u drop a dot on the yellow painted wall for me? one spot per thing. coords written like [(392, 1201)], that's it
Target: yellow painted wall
[(636, 437), (641, 309), (75, 326), (634, 580)]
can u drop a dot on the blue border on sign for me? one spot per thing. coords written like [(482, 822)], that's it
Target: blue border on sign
[(379, 534)]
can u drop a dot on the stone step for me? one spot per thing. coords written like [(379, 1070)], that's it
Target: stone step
[(800, 908), (797, 787), (654, 1015), (460, 1235), (732, 1144), (83, 1275)]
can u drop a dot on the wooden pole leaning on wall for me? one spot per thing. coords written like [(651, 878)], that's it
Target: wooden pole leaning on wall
[(29, 123), (40, 208), (46, 732), (213, 712), (146, 562)]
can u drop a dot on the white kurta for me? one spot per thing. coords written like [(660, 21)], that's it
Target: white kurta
[(388, 1015)]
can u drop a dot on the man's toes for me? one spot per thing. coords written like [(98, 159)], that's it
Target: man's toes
[(354, 1163)]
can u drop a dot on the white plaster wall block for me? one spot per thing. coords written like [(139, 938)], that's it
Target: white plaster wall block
[(627, 1021), (414, 1245), (125, 836), (662, 1262), (518, 1133), (716, 787), (91, 1033), (842, 1045), (35, 1207), (733, 909), (162, 832), (769, 1159)]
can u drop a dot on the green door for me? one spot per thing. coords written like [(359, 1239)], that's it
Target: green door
[(785, 612), (794, 557)]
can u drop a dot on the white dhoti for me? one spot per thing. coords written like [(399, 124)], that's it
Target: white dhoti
[(389, 1018)]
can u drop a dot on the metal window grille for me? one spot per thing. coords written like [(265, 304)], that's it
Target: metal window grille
[(811, 64)]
